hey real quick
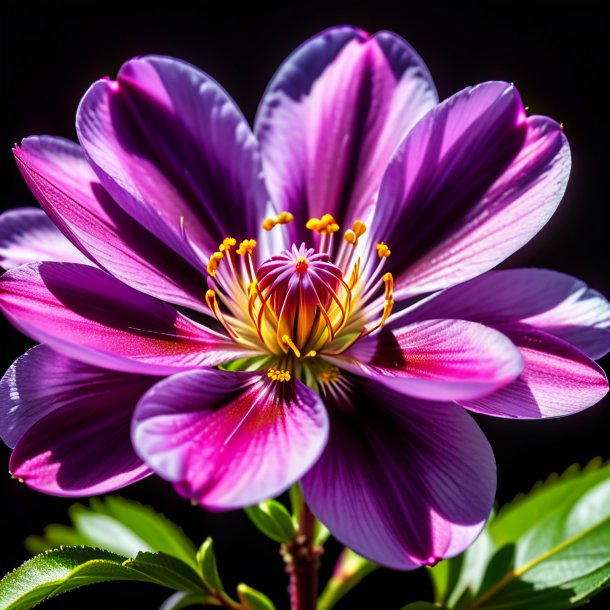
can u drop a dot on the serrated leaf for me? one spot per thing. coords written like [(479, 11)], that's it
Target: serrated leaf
[(168, 571), (253, 599), (551, 549), (119, 525), (273, 520), (152, 527), (208, 568), (61, 570)]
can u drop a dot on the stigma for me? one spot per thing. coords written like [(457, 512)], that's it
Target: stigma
[(299, 301)]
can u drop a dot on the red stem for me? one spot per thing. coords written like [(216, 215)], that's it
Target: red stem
[(302, 558)]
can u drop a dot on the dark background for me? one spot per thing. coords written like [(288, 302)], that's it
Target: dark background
[(556, 53)]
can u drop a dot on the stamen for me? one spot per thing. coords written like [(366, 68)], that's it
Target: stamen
[(278, 375), (359, 228), (325, 225), (246, 247), (214, 262), (212, 302), (350, 237), (383, 251), (269, 223), (330, 375), (288, 341), (227, 244), (282, 219)]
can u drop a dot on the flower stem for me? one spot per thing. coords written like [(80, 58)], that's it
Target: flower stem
[(349, 571), (302, 557)]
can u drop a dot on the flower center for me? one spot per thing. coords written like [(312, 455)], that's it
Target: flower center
[(300, 301), (297, 302)]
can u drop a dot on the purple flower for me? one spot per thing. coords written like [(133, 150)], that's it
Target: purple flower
[(238, 310)]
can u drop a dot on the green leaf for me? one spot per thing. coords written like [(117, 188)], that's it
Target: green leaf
[(547, 550), (150, 526), (421, 606), (119, 525), (105, 532), (349, 570), (55, 535), (253, 599), (208, 567), (61, 570), (168, 571), (273, 519)]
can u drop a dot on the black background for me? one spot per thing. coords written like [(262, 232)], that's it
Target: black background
[(555, 52)]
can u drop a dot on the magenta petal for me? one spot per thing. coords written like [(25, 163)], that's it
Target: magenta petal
[(469, 185), (436, 359), (332, 116), (27, 235), (227, 439), (68, 189), (70, 422), (168, 143), (554, 302), (403, 482), (557, 379), (87, 314)]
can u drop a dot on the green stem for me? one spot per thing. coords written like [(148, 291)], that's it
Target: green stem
[(349, 571)]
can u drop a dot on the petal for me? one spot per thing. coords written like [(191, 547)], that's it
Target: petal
[(557, 379), (554, 302), (66, 187), (28, 235), (57, 410), (87, 314), (227, 439), (436, 359), (171, 147), (403, 482), (333, 115), (472, 183)]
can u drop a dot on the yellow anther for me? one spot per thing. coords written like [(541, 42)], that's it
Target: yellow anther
[(311, 354), (210, 299), (323, 225), (359, 228), (350, 237), (288, 341), (214, 262), (383, 250), (313, 224), (227, 244), (330, 375), (278, 375), (284, 218), (269, 223), (246, 247), (388, 280)]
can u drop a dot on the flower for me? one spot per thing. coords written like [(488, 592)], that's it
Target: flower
[(308, 301)]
